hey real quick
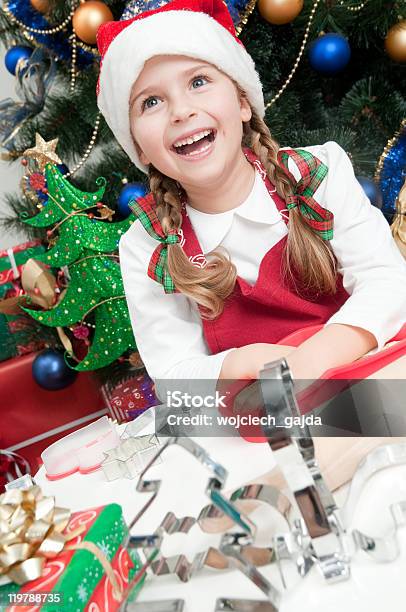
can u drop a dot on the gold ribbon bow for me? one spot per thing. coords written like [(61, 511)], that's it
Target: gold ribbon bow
[(31, 527), (39, 285), (30, 532)]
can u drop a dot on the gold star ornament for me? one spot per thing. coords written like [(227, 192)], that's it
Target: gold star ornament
[(43, 152)]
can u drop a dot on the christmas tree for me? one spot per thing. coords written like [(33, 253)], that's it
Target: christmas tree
[(85, 244), (330, 69)]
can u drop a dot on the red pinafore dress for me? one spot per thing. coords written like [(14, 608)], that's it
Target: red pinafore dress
[(270, 309), (267, 311)]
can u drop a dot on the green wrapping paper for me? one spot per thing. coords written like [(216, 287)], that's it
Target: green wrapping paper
[(75, 577)]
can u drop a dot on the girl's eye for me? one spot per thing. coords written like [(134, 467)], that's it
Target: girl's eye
[(144, 102), (145, 105), (201, 77)]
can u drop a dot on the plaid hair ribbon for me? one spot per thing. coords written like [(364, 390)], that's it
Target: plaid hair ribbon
[(157, 267), (312, 172)]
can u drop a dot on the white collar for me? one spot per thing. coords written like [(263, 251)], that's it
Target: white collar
[(258, 207)]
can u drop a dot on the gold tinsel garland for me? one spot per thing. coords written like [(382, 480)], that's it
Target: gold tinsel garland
[(391, 142), (245, 16)]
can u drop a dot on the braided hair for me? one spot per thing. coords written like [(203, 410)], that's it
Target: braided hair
[(308, 260)]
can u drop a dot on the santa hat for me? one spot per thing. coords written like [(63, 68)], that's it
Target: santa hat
[(202, 29)]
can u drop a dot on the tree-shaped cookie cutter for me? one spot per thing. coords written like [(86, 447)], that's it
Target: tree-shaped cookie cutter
[(230, 552), (207, 518)]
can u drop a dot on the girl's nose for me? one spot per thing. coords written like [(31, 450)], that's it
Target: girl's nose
[(182, 111)]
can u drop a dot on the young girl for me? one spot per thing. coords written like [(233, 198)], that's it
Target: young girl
[(239, 242)]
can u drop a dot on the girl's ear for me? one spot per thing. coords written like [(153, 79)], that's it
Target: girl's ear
[(245, 107)]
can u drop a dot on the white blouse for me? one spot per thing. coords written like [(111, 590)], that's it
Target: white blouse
[(167, 327)]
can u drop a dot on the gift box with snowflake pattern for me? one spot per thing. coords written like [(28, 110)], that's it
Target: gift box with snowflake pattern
[(75, 579)]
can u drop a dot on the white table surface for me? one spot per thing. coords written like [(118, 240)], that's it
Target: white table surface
[(373, 587)]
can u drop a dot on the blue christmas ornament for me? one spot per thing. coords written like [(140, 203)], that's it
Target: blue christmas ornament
[(50, 371), (130, 192), (392, 169), (42, 197), (63, 168), (329, 53), (16, 54), (372, 190)]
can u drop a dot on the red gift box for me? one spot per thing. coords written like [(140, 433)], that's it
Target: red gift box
[(33, 418), (129, 398)]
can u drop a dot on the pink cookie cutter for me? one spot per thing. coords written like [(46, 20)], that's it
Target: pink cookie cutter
[(81, 451)]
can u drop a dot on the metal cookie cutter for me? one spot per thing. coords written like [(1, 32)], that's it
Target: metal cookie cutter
[(242, 605), (165, 605), (230, 552), (212, 557), (294, 451), (291, 546), (232, 547), (209, 515), (130, 457), (213, 489), (222, 605), (384, 548)]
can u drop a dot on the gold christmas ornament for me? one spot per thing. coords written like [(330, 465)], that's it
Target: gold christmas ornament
[(43, 152), (395, 42), (87, 19), (279, 12), (42, 6)]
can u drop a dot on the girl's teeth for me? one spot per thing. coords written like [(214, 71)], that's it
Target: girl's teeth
[(198, 151), (191, 139)]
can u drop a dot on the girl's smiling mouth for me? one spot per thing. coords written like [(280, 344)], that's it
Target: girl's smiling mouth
[(195, 145)]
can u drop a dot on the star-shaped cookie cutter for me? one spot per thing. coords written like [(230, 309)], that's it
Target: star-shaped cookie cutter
[(129, 458)]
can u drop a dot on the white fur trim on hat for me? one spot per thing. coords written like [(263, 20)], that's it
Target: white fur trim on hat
[(190, 33)]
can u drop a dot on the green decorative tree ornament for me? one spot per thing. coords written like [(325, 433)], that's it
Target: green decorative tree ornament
[(87, 246)]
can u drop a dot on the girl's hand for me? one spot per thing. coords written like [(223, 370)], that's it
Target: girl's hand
[(334, 345), (304, 366), (246, 362), (249, 400), (304, 371)]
